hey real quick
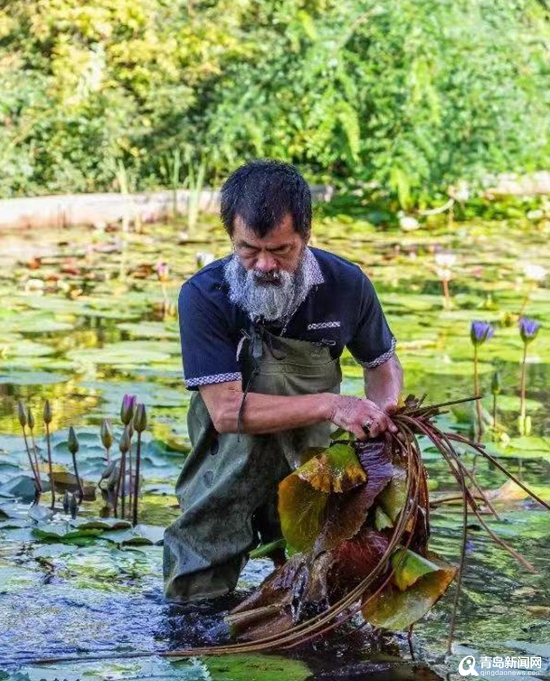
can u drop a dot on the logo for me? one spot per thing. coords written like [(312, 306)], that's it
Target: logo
[(467, 666)]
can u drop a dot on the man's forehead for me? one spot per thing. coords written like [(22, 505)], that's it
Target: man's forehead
[(281, 233)]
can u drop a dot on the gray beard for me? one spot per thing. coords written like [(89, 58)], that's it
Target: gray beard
[(272, 302)]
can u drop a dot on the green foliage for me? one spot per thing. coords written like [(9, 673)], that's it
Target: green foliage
[(410, 95)]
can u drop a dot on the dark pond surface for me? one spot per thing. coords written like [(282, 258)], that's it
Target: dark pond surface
[(82, 322)]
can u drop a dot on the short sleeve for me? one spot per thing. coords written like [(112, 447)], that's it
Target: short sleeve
[(373, 343), (208, 351)]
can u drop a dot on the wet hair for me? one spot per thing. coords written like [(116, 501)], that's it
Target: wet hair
[(262, 193)]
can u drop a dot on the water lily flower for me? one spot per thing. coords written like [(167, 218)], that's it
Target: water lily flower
[(140, 424), (408, 223), (21, 414), (106, 433), (534, 272), (140, 418), (127, 408), (528, 329), (481, 332), (163, 271), (47, 416), (72, 441)]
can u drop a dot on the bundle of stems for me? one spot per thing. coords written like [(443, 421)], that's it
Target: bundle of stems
[(412, 420)]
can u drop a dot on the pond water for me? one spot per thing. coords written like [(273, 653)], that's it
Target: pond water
[(83, 322)]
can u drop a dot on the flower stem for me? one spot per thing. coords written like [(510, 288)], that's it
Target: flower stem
[(50, 463), (522, 393), (478, 402), (494, 416), (80, 488), (136, 481)]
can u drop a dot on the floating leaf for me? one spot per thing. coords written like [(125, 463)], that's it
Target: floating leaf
[(255, 668)]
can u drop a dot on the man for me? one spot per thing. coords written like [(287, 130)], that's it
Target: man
[(261, 332)]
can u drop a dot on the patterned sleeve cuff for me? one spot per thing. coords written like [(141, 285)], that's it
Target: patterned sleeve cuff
[(214, 378), (382, 358)]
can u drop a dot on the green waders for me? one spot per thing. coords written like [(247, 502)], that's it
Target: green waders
[(227, 488)]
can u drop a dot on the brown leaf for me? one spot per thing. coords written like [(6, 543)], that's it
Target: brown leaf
[(345, 514)]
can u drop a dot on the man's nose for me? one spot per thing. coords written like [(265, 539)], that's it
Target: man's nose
[(265, 263)]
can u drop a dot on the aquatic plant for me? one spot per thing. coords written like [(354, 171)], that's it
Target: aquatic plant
[(124, 446), (444, 262), (528, 329), (127, 409), (22, 417), (534, 275), (495, 391), (47, 418), (106, 434), (396, 476), (140, 424), (73, 446), (31, 424), (479, 333), (163, 272)]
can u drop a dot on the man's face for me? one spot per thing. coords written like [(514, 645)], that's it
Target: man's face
[(282, 249), (267, 276)]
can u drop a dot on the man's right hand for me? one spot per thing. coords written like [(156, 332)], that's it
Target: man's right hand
[(350, 413)]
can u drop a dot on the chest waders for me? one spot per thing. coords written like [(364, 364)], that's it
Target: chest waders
[(227, 488)]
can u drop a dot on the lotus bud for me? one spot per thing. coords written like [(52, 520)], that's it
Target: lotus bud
[(66, 501), (30, 418), (72, 441), (106, 433), (21, 413), (495, 384), (127, 409), (47, 412), (140, 418), (130, 428), (124, 444)]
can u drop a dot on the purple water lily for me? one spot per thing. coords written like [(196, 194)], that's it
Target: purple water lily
[(127, 408), (528, 329), (480, 332)]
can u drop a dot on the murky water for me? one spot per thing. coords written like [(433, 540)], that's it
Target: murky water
[(74, 331)]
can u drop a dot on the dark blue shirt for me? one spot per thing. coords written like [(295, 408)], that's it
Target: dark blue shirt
[(341, 309)]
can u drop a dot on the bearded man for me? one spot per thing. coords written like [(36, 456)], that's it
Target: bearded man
[(262, 331)]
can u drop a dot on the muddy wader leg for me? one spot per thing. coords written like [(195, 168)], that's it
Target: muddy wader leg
[(228, 483)]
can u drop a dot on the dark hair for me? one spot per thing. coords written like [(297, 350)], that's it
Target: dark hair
[(261, 193)]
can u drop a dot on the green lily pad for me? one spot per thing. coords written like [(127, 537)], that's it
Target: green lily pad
[(255, 668)]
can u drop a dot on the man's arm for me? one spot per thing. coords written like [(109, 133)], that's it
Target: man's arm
[(384, 384), (271, 413)]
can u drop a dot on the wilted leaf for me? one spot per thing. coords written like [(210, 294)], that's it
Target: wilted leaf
[(356, 558), (301, 510), (337, 469), (346, 513), (397, 610)]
